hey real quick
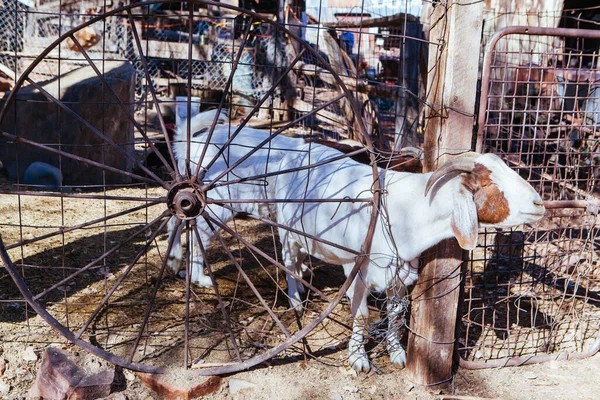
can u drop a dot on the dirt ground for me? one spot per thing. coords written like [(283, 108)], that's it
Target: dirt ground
[(297, 378), (313, 379), (559, 380), (22, 342), (325, 377)]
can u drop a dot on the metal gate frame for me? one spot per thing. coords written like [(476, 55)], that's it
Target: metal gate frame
[(590, 204)]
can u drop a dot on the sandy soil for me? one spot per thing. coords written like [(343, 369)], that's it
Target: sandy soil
[(314, 379), (296, 377)]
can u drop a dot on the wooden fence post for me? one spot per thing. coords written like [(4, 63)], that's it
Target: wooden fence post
[(452, 81)]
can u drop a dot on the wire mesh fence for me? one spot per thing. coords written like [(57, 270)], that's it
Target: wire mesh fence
[(86, 149), (534, 292), (391, 59), (527, 292)]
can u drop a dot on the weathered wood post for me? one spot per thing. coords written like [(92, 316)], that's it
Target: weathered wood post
[(452, 82)]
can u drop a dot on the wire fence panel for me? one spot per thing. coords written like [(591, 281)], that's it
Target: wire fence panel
[(88, 166), (536, 291)]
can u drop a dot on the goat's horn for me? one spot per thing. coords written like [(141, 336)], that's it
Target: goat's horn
[(415, 151), (464, 163)]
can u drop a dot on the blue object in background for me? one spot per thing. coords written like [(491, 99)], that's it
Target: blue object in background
[(371, 74), (152, 7), (304, 20), (347, 41), (42, 176)]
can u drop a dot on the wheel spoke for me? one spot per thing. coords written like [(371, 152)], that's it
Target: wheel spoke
[(264, 142), (102, 257), (287, 171), (123, 106), (267, 257), (220, 202), (189, 103), (188, 278), (217, 293), (200, 176), (121, 279), (150, 83), (19, 139), (153, 200), (296, 231), (221, 102), (65, 229), (262, 301), (264, 268), (154, 292), (97, 132), (229, 368)]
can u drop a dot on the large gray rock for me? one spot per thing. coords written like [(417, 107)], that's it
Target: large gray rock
[(36, 118)]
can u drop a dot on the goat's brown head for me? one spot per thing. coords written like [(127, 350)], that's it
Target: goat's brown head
[(491, 195)]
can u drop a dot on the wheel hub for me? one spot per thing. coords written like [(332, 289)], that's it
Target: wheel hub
[(186, 200)]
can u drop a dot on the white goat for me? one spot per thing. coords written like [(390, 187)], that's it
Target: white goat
[(264, 160), (420, 211)]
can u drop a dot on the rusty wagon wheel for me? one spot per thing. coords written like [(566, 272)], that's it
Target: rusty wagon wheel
[(86, 240), (370, 117)]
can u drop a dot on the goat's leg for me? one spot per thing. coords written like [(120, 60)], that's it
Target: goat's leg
[(206, 234), (396, 306), (357, 355), (174, 259), (293, 256), (198, 277), (302, 268), (396, 309)]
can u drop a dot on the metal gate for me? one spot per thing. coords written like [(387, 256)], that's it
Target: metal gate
[(534, 294)]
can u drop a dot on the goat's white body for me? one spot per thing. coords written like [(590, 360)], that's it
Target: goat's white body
[(409, 222), (407, 225), (263, 161)]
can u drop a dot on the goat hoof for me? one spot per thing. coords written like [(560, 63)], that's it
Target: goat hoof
[(174, 264), (296, 304), (398, 357), (202, 281), (304, 269), (360, 362)]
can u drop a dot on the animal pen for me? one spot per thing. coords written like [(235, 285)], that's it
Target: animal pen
[(86, 142)]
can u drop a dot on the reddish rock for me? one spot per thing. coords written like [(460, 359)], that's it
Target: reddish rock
[(60, 378), (94, 386), (5, 84), (167, 391)]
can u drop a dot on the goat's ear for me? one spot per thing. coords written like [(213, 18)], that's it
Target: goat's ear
[(464, 221)]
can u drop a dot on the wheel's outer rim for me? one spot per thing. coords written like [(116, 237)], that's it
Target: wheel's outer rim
[(234, 366)]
